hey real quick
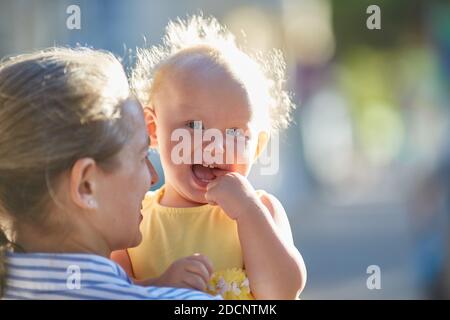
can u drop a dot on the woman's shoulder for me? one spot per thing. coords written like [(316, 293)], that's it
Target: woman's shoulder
[(79, 276)]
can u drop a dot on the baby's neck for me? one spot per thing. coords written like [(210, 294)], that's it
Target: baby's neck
[(171, 198)]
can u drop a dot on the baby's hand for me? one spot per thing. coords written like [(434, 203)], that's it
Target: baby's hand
[(232, 192), (190, 272)]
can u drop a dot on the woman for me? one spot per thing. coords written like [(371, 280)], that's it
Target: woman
[(73, 173)]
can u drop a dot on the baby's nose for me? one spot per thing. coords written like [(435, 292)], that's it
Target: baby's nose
[(213, 152), (214, 147)]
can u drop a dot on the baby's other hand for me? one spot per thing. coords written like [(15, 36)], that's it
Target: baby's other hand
[(191, 272), (232, 192)]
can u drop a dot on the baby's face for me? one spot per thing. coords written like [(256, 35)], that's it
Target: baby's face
[(185, 98)]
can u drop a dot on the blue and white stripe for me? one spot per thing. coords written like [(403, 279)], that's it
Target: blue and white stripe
[(49, 276)]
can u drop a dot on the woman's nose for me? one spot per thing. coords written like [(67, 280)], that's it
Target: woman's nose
[(154, 178)]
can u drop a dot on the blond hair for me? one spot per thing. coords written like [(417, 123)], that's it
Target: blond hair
[(261, 74), (56, 106)]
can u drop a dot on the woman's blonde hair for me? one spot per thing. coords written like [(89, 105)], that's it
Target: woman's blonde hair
[(261, 74), (56, 106)]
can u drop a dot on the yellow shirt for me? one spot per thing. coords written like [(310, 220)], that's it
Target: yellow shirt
[(169, 234)]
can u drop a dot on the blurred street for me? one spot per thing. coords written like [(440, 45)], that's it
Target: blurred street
[(338, 244)]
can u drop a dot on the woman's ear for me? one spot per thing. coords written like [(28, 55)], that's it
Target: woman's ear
[(150, 122), (83, 184), (263, 139)]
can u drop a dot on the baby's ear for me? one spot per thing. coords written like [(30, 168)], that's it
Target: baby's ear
[(150, 122), (263, 139)]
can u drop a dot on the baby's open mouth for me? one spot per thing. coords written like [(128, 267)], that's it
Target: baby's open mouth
[(204, 172)]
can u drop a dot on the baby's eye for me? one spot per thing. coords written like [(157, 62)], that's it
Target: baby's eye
[(235, 132), (196, 125)]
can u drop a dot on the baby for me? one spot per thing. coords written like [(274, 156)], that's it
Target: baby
[(207, 228)]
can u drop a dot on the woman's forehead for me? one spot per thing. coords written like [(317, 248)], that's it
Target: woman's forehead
[(133, 114)]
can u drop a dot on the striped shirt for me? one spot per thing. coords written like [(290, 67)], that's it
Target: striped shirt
[(80, 276)]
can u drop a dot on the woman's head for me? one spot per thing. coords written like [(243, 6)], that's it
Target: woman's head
[(73, 146), (201, 74)]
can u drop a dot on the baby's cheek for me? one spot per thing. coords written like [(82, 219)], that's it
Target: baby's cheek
[(166, 152), (243, 169), (236, 151), (245, 155)]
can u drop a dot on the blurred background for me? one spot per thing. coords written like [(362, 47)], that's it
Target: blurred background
[(365, 167)]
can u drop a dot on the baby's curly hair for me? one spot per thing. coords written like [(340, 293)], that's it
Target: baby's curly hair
[(206, 36)]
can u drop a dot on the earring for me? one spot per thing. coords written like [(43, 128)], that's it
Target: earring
[(91, 203)]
